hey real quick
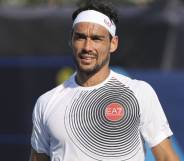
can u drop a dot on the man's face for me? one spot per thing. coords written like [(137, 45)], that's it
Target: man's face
[(91, 47)]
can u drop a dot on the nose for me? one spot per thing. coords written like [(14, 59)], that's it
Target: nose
[(88, 45)]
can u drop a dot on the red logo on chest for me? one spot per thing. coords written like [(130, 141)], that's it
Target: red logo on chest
[(114, 112)]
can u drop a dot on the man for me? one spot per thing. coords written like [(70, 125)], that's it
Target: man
[(98, 114)]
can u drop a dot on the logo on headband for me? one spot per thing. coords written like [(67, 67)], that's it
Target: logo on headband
[(108, 23)]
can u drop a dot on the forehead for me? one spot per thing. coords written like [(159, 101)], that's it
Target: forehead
[(88, 27)]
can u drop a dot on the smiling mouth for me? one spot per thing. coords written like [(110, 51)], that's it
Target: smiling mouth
[(87, 56)]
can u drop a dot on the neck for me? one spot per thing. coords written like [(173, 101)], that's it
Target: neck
[(87, 80)]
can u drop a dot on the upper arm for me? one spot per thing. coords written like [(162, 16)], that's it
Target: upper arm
[(38, 156), (164, 151), (154, 125), (40, 137)]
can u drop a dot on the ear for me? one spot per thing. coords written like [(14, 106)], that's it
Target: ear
[(114, 44)]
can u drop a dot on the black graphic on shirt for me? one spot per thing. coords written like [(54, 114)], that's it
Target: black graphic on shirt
[(96, 135)]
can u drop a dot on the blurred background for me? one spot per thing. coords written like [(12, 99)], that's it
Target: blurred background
[(35, 57)]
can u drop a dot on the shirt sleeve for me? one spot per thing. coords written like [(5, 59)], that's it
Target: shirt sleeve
[(40, 137), (154, 126)]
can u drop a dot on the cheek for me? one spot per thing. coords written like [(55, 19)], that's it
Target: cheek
[(103, 47), (103, 51), (76, 49)]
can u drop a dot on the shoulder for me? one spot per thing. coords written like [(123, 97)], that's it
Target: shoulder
[(141, 89), (46, 99), (134, 84), (43, 101), (47, 96)]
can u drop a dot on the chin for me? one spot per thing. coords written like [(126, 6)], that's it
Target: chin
[(86, 71), (89, 71)]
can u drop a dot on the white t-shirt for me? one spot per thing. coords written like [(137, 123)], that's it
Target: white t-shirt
[(107, 122)]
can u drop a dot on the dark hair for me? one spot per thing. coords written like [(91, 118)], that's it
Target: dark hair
[(100, 6)]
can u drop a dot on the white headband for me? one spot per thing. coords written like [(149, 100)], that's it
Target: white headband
[(96, 17)]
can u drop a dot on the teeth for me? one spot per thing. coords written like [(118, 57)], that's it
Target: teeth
[(87, 56)]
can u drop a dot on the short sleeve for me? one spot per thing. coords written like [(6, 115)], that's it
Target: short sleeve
[(154, 126), (40, 137)]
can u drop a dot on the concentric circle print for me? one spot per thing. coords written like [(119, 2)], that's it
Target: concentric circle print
[(103, 123)]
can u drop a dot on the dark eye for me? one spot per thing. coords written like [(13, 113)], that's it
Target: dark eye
[(80, 37), (96, 38)]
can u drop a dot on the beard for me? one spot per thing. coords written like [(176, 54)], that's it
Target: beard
[(95, 68)]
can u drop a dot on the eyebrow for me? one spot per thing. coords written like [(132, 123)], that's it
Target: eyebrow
[(92, 36)]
